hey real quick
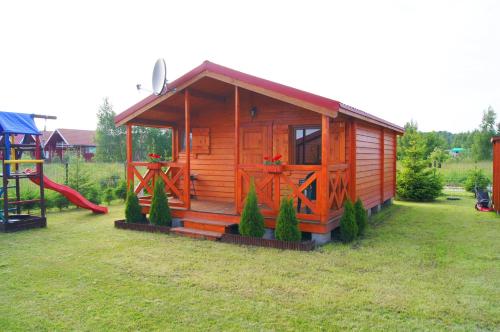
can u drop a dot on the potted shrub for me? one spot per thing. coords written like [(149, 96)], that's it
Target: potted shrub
[(273, 165)]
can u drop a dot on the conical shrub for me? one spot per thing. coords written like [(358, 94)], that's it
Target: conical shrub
[(361, 216), (159, 214), (133, 211), (252, 221), (287, 226), (348, 226)]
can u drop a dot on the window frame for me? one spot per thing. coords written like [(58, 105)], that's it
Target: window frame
[(292, 146)]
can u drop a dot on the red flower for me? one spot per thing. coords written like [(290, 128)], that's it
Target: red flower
[(154, 156), (277, 157)]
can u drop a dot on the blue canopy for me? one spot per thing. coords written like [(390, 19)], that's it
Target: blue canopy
[(17, 123)]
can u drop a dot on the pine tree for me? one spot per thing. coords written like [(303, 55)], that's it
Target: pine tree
[(348, 226), (159, 213), (133, 211), (110, 140), (287, 226), (252, 221), (361, 216)]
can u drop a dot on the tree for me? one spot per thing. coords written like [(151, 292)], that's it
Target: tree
[(361, 216), (133, 211), (109, 195), (348, 226), (159, 214), (110, 140), (252, 221), (121, 190), (415, 181), (287, 226), (437, 157), (411, 133), (488, 120), (432, 141)]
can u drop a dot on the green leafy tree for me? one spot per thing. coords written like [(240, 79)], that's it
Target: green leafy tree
[(159, 213), (287, 226), (252, 221), (476, 179), (411, 133), (133, 211), (438, 157), (361, 216), (110, 140), (432, 141), (348, 225), (415, 181)]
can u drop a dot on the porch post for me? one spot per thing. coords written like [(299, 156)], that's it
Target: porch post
[(130, 174), (187, 172), (237, 185), (173, 132), (325, 183)]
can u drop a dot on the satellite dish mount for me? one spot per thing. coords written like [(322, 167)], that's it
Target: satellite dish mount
[(160, 77)]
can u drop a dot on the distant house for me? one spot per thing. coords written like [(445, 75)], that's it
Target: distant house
[(455, 152), (59, 141)]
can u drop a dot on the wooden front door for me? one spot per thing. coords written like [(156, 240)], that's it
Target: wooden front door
[(255, 144)]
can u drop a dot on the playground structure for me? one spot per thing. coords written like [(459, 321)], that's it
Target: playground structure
[(14, 168)]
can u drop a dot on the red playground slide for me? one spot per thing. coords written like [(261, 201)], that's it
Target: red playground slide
[(71, 194)]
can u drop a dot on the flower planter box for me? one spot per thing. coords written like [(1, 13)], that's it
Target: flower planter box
[(274, 169), (142, 227), (154, 166), (260, 242)]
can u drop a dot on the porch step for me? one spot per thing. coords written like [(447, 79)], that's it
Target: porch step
[(196, 233), (208, 225)]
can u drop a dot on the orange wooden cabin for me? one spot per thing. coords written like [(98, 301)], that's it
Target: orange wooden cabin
[(235, 120), (496, 173)]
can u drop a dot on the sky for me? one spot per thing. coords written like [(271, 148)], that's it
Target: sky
[(434, 62)]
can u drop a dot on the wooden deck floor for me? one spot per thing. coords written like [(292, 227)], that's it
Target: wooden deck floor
[(213, 206)]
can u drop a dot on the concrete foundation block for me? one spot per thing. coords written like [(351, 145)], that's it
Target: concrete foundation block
[(321, 238), (269, 234), (177, 222), (388, 202)]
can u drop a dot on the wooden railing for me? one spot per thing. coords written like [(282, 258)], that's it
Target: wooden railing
[(295, 181), (338, 187), (173, 175)]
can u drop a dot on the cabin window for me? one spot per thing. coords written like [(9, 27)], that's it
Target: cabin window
[(200, 140), (307, 145)]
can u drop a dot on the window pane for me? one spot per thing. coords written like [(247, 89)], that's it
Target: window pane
[(307, 146)]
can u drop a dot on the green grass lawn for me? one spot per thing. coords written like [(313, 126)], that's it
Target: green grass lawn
[(430, 266)]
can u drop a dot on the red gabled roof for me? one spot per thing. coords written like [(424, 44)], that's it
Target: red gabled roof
[(210, 67), (76, 136)]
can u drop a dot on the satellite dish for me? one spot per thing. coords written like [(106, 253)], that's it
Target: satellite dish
[(160, 77)]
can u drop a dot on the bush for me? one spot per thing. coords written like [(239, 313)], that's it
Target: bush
[(26, 195), (60, 201), (287, 226), (121, 190), (50, 199), (92, 194), (361, 216), (348, 226), (159, 214), (133, 211), (476, 178), (252, 221), (415, 181), (109, 195)]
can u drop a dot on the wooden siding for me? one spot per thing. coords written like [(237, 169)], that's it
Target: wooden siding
[(389, 155), (368, 164)]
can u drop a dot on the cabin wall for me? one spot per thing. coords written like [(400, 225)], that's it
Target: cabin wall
[(375, 164)]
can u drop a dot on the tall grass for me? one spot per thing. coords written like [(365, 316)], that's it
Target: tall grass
[(455, 172)]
